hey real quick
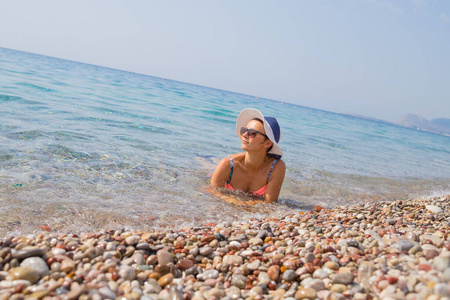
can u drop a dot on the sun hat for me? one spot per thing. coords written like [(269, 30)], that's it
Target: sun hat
[(270, 126)]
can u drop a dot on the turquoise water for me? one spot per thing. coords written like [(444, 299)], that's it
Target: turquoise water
[(84, 147)]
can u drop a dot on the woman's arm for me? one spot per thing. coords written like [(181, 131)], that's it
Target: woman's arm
[(275, 182), (221, 173)]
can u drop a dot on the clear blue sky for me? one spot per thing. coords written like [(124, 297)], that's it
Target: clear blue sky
[(376, 58)]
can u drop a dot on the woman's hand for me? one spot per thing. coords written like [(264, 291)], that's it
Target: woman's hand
[(231, 198)]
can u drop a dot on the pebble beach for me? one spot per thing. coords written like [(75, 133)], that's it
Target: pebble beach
[(387, 250)]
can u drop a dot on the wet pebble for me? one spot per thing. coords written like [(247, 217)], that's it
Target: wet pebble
[(28, 252), (25, 273), (306, 293), (430, 251), (316, 284), (205, 251), (289, 275), (342, 278), (233, 259), (238, 281), (132, 240), (274, 272), (434, 209), (126, 272), (165, 280), (214, 274), (37, 264)]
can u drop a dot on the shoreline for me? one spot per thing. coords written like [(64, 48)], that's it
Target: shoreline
[(386, 250)]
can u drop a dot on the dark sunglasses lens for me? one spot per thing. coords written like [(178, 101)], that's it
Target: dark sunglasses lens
[(252, 133), (243, 130)]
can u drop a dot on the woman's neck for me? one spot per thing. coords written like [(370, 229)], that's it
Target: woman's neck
[(254, 160)]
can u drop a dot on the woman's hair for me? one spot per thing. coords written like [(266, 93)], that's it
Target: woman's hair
[(270, 148)]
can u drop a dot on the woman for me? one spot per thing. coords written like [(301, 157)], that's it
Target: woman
[(259, 170)]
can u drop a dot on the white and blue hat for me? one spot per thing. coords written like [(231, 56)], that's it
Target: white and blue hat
[(270, 126)]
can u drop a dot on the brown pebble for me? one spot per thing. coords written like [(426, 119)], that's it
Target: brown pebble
[(165, 280), (274, 272), (184, 264), (207, 239), (163, 270), (376, 251), (392, 279), (25, 273), (424, 267), (306, 293), (60, 245), (310, 268), (270, 249), (154, 275), (318, 208)]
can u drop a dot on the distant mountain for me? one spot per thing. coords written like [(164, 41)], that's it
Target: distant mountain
[(441, 125)]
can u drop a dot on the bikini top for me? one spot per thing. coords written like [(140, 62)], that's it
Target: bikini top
[(259, 192)]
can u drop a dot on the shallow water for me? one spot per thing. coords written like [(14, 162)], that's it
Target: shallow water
[(84, 147)]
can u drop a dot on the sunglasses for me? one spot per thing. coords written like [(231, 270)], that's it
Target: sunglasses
[(252, 132)]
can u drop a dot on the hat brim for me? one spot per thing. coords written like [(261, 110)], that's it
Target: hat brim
[(249, 114)]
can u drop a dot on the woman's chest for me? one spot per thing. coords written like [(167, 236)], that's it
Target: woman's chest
[(247, 180)]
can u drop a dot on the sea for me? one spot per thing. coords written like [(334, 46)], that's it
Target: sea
[(85, 148)]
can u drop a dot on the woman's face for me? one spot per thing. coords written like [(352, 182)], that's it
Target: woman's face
[(253, 141)]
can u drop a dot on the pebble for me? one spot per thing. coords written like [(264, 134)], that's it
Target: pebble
[(256, 241), (126, 272), (184, 264), (289, 275), (37, 264), (214, 274), (320, 273), (430, 251), (205, 251), (441, 263), (165, 280), (164, 257), (388, 250), (316, 284), (342, 278), (107, 293), (402, 245), (238, 281), (233, 292), (339, 288), (132, 240), (306, 293), (29, 252), (274, 272), (24, 273), (255, 292), (442, 289), (233, 259), (254, 265), (264, 278), (67, 265), (434, 209)]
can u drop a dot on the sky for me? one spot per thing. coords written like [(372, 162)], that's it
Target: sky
[(376, 58)]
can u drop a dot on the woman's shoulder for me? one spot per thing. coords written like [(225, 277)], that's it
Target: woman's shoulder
[(279, 165), (279, 160), (237, 156)]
